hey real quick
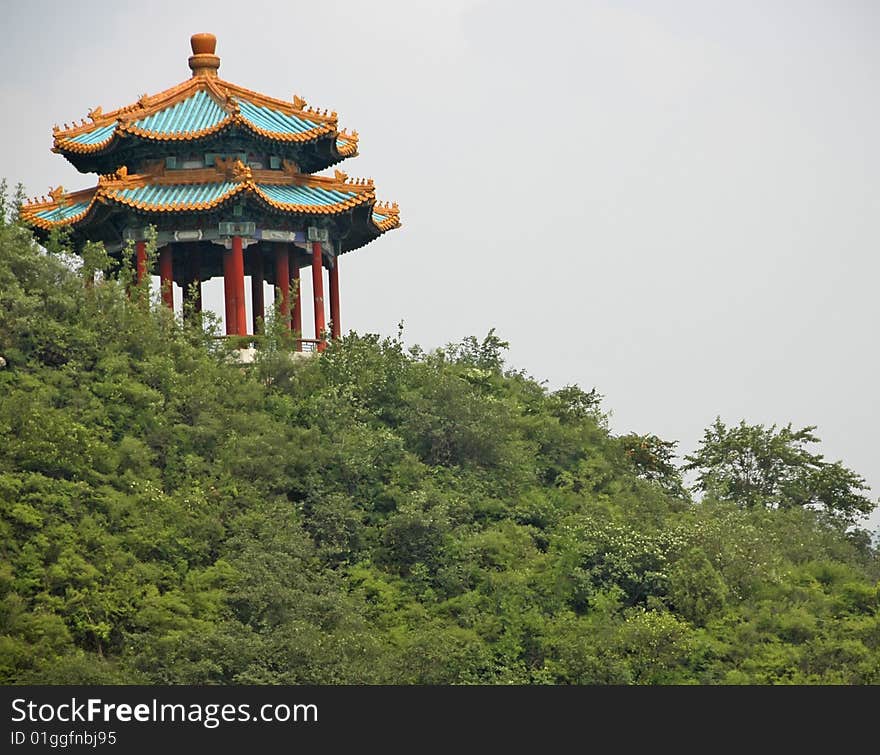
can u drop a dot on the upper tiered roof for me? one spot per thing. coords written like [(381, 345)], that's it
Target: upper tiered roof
[(204, 152), (198, 112)]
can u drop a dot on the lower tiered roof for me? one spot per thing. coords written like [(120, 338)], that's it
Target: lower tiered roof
[(158, 195)]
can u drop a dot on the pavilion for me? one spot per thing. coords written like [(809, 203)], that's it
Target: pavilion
[(227, 177)]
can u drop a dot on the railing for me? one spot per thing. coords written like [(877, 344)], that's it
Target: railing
[(306, 345), (310, 344)]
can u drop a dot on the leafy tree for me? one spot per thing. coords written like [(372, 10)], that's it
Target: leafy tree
[(572, 404), (757, 466), (652, 458), (483, 355)]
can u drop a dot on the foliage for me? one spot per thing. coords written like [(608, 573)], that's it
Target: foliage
[(379, 515), (652, 458), (755, 465)]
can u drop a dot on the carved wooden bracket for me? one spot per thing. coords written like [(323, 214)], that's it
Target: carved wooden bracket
[(233, 169)]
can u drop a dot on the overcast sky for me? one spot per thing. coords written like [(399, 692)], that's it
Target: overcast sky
[(677, 202)]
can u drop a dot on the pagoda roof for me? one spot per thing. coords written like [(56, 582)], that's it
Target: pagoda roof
[(162, 192), (201, 107)]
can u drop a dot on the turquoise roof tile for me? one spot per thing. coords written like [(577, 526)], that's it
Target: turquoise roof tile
[(60, 214), (275, 121), (96, 136), (181, 195), (193, 114), (177, 194), (305, 195)]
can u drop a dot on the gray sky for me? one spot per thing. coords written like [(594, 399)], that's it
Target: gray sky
[(677, 202)]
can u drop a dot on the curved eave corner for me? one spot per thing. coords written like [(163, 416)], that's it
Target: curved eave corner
[(99, 143), (378, 220), (386, 216), (61, 210), (346, 144)]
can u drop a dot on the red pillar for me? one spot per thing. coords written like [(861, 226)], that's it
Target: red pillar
[(166, 276), (318, 290), (297, 325), (334, 299), (141, 252), (237, 264), (229, 294), (282, 280), (257, 288)]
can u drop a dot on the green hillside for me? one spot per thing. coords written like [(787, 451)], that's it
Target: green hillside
[(381, 514)]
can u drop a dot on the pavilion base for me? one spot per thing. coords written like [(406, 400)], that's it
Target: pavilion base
[(249, 355)]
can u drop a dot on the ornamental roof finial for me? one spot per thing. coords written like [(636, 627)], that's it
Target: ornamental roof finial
[(203, 61)]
